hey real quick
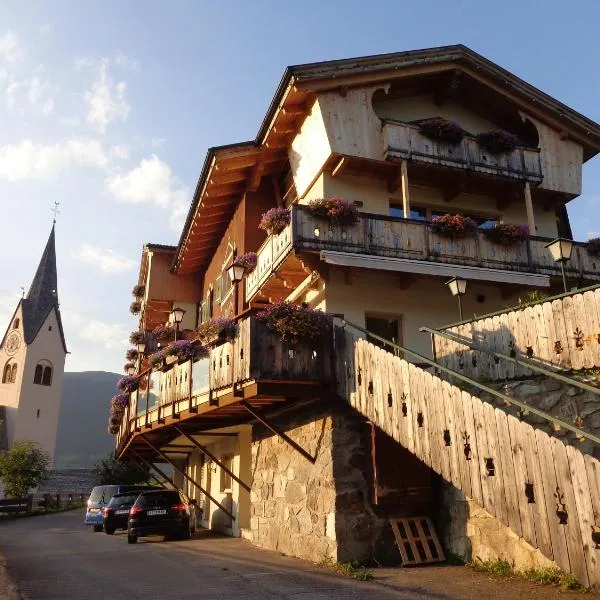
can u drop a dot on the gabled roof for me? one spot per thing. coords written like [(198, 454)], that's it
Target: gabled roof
[(43, 295), (228, 170)]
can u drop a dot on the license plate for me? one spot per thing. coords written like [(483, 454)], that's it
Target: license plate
[(94, 510), (156, 512), (121, 512)]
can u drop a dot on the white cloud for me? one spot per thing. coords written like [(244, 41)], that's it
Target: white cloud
[(120, 151), (157, 142), (46, 28), (105, 259), (126, 62), (152, 181), (105, 101), (8, 303), (11, 54), (34, 92), (110, 336), (29, 160), (70, 121)]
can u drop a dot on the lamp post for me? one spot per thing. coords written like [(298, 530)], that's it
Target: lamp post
[(177, 317), (458, 287), (561, 249), (236, 274)]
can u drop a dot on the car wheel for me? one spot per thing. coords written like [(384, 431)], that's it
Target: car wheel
[(131, 539), (109, 530), (98, 528)]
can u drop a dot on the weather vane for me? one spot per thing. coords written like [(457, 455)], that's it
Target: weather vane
[(55, 211), (22, 292)]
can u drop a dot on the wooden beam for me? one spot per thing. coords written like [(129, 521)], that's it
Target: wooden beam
[(278, 432), (304, 286), (340, 167), (187, 477), (277, 192), (293, 110), (529, 209), (212, 457), (404, 186), (255, 177)]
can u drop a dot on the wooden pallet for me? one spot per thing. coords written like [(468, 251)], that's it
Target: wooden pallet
[(417, 541)]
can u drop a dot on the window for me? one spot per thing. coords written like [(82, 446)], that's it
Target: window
[(50, 328), (389, 327), (226, 479), (416, 213), (16, 323), (38, 413), (9, 374), (211, 304), (43, 374), (218, 288)]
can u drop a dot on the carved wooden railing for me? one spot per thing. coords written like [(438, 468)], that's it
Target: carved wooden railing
[(256, 354), (407, 142), (379, 235), (563, 332), (548, 493)]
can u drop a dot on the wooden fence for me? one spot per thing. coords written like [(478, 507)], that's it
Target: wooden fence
[(563, 333), (546, 492)]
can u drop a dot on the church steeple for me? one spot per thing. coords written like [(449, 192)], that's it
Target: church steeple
[(42, 296)]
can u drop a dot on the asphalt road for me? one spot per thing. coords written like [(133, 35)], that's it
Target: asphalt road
[(56, 557)]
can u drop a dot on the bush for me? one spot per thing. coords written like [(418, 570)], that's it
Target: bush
[(335, 210), (275, 220), (294, 322), (454, 226), (224, 329), (442, 130), (497, 141), (506, 235), (110, 471), (593, 246), (22, 468)]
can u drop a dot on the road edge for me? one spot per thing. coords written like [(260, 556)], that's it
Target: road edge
[(8, 588)]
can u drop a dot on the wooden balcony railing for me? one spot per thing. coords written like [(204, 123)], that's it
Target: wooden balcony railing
[(407, 142), (256, 355), (379, 235)]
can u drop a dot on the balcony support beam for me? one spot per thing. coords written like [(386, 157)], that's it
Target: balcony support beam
[(150, 465), (278, 432), (188, 478), (212, 457), (404, 186), (529, 209)]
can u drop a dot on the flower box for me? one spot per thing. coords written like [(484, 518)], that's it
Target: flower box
[(506, 234), (275, 220), (442, 130), (496, 141), (334, 210), (454, 226)]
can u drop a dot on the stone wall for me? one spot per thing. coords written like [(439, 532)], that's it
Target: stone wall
[(315, 510), (569, 403), (469, 531)]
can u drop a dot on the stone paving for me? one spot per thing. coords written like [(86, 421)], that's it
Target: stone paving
[(55, 557)]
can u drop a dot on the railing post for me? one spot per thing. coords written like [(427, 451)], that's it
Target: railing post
[(530, 265)]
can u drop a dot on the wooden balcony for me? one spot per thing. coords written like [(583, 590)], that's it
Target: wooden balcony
[(257, 367), (403, 141), (417, 246)]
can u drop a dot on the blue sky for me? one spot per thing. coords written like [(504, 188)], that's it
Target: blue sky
[(108, 107)]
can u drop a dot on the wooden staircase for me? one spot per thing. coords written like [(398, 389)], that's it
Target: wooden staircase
[(546, 492)]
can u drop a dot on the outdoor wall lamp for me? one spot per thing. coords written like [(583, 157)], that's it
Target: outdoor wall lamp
[(236, 273), (177, 317), (458, 288), (561, 250), (131, 371)]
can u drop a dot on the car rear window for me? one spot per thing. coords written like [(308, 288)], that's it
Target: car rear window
[(158, 499), (123, 500), (103, 493)]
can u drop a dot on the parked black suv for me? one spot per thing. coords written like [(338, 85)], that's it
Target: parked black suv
[(161, 512), (116, 513)]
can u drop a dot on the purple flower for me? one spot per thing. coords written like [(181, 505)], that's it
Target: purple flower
[(128, 384), (157, 358), (275, 220), (119, 400), (334, 209), (247, 260), (294, 321), (223, 328)]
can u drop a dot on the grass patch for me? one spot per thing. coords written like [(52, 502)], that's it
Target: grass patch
[(502, 569), (454, 559), (556, 577), (353, 570)]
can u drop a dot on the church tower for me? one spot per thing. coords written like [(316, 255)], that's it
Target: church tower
[(32, 361)]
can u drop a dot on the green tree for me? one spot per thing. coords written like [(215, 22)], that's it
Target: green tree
[(22, 468), (110, 470)]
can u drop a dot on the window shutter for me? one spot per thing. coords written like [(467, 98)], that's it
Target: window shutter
[(218, 284)]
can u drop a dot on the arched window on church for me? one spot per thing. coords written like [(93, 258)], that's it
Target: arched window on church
[(37, 378), (9, 374), (47, 376)]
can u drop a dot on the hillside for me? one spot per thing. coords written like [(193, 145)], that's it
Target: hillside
[(82, 437)]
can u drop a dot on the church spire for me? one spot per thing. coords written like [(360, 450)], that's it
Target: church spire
[(42, 296)]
